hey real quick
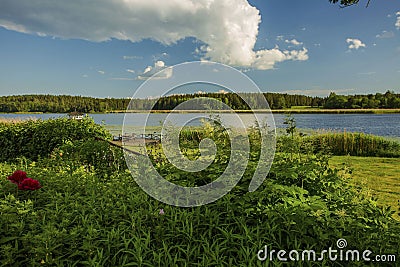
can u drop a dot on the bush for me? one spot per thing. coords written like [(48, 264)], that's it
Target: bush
[(94, 155), (37, 139)]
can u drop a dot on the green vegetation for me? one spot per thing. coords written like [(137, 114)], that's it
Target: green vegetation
[(345, 3), (354, 144), (337, 111), (35, 139), (379, 175), (276, 101), (60, 104), (90, 211), (387, 100)]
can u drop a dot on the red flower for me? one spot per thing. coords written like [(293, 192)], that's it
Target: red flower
[(29, 184), (17, 177)]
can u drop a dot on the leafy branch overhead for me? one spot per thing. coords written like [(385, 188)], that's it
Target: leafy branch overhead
[(346, 3)]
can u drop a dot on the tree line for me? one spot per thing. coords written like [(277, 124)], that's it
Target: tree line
[(235, 101), (66, 103), (378, 100)]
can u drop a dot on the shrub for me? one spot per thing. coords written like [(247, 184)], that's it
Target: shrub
[(34, 139)]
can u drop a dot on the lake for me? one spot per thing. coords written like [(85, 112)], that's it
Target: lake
[(377, 124)]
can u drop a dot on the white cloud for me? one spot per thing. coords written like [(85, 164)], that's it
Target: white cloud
[(158, 71), (229, 28), (121, 79), (318, 91), (131, 57), (385, 34), (102, 72), (367, 73), (130, 71), (293, 42), (398, 20), (266, 59), (85, 76), (354, 43)]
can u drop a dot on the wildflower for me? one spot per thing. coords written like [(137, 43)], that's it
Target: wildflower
[(29, 184), (161, 212), (17, 177)]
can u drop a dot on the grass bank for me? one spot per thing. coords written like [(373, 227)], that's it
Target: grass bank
[(380, 176)]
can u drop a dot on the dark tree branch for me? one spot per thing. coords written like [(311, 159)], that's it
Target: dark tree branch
[(347, 3)]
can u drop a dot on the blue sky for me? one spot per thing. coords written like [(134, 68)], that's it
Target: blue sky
[(108, 48)]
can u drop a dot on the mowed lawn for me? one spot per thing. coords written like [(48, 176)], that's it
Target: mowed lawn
[(380, 175)]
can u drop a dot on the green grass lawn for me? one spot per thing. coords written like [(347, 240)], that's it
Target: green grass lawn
[(380, 175)]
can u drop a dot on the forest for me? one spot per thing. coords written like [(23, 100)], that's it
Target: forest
[(378, 100), (66, 103)]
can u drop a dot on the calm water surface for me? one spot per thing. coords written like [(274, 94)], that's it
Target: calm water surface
[(378, 124)]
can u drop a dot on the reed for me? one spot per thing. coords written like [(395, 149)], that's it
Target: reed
[(355, 144)]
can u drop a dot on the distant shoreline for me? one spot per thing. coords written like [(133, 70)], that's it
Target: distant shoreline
[(293, 111), (278, 111)]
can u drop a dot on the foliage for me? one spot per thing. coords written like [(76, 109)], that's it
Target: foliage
[(291, 125), (379, 177), (60, 104), (78, 218), (387, 100), (346, 3), (94, 155), (235, 101), (65, 104), (34, 139), (354, 144)]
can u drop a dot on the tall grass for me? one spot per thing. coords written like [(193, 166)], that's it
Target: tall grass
[(355, 144), (337, 143)]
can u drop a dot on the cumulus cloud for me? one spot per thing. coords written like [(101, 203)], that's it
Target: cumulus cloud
[(398, 20), (229, 28), (266, 59), (158, 71), (354, 43), (385, 34), (102, 72), (293, 42)]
